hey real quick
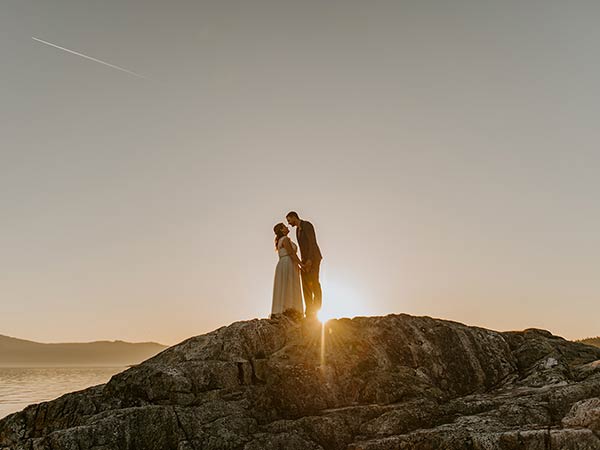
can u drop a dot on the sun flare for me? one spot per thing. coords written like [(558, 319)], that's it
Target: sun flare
[(325, 316), (340, 301)]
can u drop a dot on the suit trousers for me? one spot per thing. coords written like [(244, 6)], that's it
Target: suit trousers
[(311, 287)]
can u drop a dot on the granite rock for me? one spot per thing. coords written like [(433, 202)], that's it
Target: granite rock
[(368, 383)]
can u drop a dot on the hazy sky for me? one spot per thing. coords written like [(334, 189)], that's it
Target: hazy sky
[(446, 152)]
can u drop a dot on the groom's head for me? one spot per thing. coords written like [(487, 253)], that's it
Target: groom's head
[(292, 218)]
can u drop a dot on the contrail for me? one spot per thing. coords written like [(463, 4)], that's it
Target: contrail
[(89, 57)]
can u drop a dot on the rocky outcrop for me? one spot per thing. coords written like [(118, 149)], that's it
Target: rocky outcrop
[(370, 383), (595, 341)]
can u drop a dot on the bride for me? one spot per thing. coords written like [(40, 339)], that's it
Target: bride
[(286, 288)]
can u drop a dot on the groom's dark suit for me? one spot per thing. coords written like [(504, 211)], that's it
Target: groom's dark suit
[(309, 250)]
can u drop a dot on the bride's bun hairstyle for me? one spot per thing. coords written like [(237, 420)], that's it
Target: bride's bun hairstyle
[(279, 233)]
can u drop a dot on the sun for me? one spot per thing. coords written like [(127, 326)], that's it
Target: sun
[(325, 316), (340, 300)]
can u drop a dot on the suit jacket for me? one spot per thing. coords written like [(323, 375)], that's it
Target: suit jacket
[(307, 240)]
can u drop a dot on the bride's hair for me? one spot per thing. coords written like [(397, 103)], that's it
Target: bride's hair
[(278, 229)]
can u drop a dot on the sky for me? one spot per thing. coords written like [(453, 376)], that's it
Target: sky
[(446, 153)]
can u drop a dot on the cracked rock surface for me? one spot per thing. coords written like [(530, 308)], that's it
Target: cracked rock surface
[(368, 383)]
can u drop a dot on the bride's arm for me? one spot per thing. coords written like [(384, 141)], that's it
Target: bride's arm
[(287, 244)]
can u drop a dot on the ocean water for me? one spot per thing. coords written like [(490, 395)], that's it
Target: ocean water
[(20, 386)]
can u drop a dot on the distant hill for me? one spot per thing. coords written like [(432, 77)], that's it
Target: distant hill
[(595, 341), (22, 353)]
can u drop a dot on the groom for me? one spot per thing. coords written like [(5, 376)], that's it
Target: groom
[(311, 261)]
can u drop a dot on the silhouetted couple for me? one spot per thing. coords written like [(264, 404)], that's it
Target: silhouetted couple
[(290, 268)]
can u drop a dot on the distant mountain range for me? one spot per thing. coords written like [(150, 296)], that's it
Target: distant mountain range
[(22, 353), (595, 341)]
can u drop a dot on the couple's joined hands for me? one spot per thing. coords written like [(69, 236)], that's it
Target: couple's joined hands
[(305, 267)]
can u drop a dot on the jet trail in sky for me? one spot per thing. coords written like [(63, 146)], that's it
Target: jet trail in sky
[(89, 57)]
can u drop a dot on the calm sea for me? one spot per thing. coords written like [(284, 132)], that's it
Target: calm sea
[(20, 387)]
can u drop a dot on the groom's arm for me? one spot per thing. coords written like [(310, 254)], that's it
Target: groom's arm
[(312, 242)]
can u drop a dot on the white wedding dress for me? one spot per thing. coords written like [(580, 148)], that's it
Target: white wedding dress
[(286, 288)]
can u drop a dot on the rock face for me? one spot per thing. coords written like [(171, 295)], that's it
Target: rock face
[(370, 383), (595, 341)]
